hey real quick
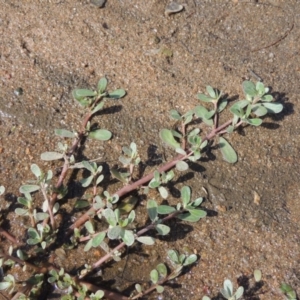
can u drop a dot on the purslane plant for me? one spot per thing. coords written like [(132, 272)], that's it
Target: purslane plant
[(117, 218)]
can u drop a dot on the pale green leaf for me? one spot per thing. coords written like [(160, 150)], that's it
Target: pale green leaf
[(29, 188), (165, 209), (97, 107), (182, 166), (193, 215), (36, 170), (48, 156), (273, 108), (162, 229), (97, 240), (190, 259), (64, 133), (100, 134), (162, 270), (227, 151), (80, 94), (167, 137), (249, 88), (102, 83), (154, 276), (152, 209), (127, 237), (147, 240), (117, 94)]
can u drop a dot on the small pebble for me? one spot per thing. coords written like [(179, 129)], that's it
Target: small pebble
[(173, 8), (98, 3)]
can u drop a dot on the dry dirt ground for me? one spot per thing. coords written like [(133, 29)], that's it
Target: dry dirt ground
[(49, 47)]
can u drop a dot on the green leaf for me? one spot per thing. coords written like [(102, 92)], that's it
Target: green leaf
[(239, 293), (89, 227), (160, 289), (48, 156), (5, 285), (163, 192), (273, 108), (102, 83), (28, 188), (257, 275), (190, 260), (97, 107), (117, 94), (167, 137), (152, 209), (227, 151), (88, 245), (2, 190), (21, 212), (85, 182), (193, 215), (254, 122), (249, 88), (197, 202), (211, 92), (36, 170), (80, 94), (174, 114), (154, 276), (185, 195), (259, 110), (40, 216), (209, 114), (147, 240), (162, 229), (182, 166), (222, 104), (99, 179), (204, 98), (114, 232), (162, 270), (227, 290), (260, 87), (64, 133), (267, 98), (200, 111), (154, 184), (100, 134), (110, 216), (97, 240), (173, 255), (33, 241), (165, 209), (120, 176), (127, 205), (127, 237), (138, 288), (82, 204)]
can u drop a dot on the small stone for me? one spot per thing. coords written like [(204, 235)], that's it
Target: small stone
[(173, 8), (256, 199), (98, 3)]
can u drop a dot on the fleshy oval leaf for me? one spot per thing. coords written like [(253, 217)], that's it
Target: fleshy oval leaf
[(64, 133), (147, 240), (102, 84), (167, 137), (80, 94), (227, 151), (48, 156), (182, 166), (117, 94), (100, 134)]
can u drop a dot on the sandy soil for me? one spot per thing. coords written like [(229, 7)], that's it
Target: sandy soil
[(50, 47)]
